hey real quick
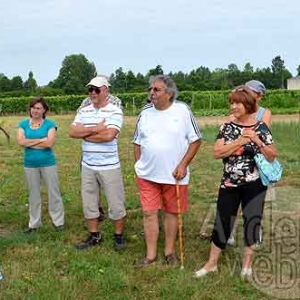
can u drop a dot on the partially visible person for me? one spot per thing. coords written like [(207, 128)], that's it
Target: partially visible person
[(37, 136), (237, 143), (98, 125), (166, 140)]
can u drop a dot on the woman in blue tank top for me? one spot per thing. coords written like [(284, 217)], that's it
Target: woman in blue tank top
[(37, 136)]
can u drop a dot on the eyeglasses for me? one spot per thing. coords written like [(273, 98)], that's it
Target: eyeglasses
[(155, 89), (94, 88)]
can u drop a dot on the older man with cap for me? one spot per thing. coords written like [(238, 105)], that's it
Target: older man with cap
[(88, 101), (99, 124), (110, 98)]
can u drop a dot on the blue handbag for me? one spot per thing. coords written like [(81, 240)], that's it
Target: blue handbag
[(269, 172)]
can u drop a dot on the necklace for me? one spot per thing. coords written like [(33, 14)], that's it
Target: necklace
[(35, 124)]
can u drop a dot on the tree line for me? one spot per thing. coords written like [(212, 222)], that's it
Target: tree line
[(77, 70)]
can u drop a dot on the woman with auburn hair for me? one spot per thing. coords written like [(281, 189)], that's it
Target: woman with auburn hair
[(37, 135), (238, 141)]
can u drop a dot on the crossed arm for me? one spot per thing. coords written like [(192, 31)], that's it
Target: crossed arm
[(42, 143), (222, 150), (95, 134)]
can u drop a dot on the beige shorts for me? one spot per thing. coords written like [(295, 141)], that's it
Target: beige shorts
[(112, 183)]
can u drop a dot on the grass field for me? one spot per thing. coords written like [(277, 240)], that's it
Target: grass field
[(46, 265)]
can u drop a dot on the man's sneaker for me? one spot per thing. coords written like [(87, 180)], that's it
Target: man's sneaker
[(29, 230), (60, 228), (90, 242), (119, 242)]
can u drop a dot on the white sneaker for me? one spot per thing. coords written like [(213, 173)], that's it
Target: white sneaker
[(231, 241), (246, 273), (203, 272)]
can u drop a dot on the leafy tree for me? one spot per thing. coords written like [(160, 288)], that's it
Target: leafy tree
[(75, 73), (298, 71), (141, 83), (220, 79), (30, 84), (118, 80), (247, 73), (5, 84), (278, 69), (156, 71), (130, 81), (16, 83), (265, 75), (233, 75), (181, 80)]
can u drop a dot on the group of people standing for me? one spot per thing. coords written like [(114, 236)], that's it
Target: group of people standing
[(166, 139)]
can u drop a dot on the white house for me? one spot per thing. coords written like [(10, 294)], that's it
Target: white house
[(293, 83)]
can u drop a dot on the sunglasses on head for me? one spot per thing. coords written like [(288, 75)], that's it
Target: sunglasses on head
[(155, 89), (94, 89), (241, 89)]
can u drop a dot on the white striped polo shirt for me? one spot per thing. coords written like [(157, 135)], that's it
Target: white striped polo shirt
[(100, 156)]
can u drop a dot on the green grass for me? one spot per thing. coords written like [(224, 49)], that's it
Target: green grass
[(47, 266)]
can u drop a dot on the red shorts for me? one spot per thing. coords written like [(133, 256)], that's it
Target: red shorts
[(155, 196)]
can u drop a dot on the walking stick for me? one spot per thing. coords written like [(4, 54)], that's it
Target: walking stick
[(179, 225)]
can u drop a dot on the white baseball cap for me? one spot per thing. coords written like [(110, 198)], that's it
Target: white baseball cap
[(99, 81)]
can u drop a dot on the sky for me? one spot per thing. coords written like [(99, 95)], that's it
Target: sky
[(137, 35)]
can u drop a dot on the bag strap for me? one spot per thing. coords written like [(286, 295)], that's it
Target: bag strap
[(260, 114)]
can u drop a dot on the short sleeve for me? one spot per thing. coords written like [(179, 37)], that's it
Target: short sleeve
[(51, 124), (136, 136), (264, 133), (115, 120), (193, 131), (220, 134), (22, 124), (78, 118)]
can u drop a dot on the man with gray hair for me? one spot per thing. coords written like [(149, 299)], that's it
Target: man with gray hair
[(166, 139)]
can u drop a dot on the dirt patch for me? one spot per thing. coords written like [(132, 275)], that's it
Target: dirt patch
[(4, 231)]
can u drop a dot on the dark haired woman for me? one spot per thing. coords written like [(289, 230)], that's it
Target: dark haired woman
[(37, 136), (237, 143)]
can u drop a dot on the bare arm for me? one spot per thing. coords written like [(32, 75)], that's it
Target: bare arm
[(136, 152), (22, 141), (79, 131), (181, 169), (222, 150), (106, 135), (267, 117)]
